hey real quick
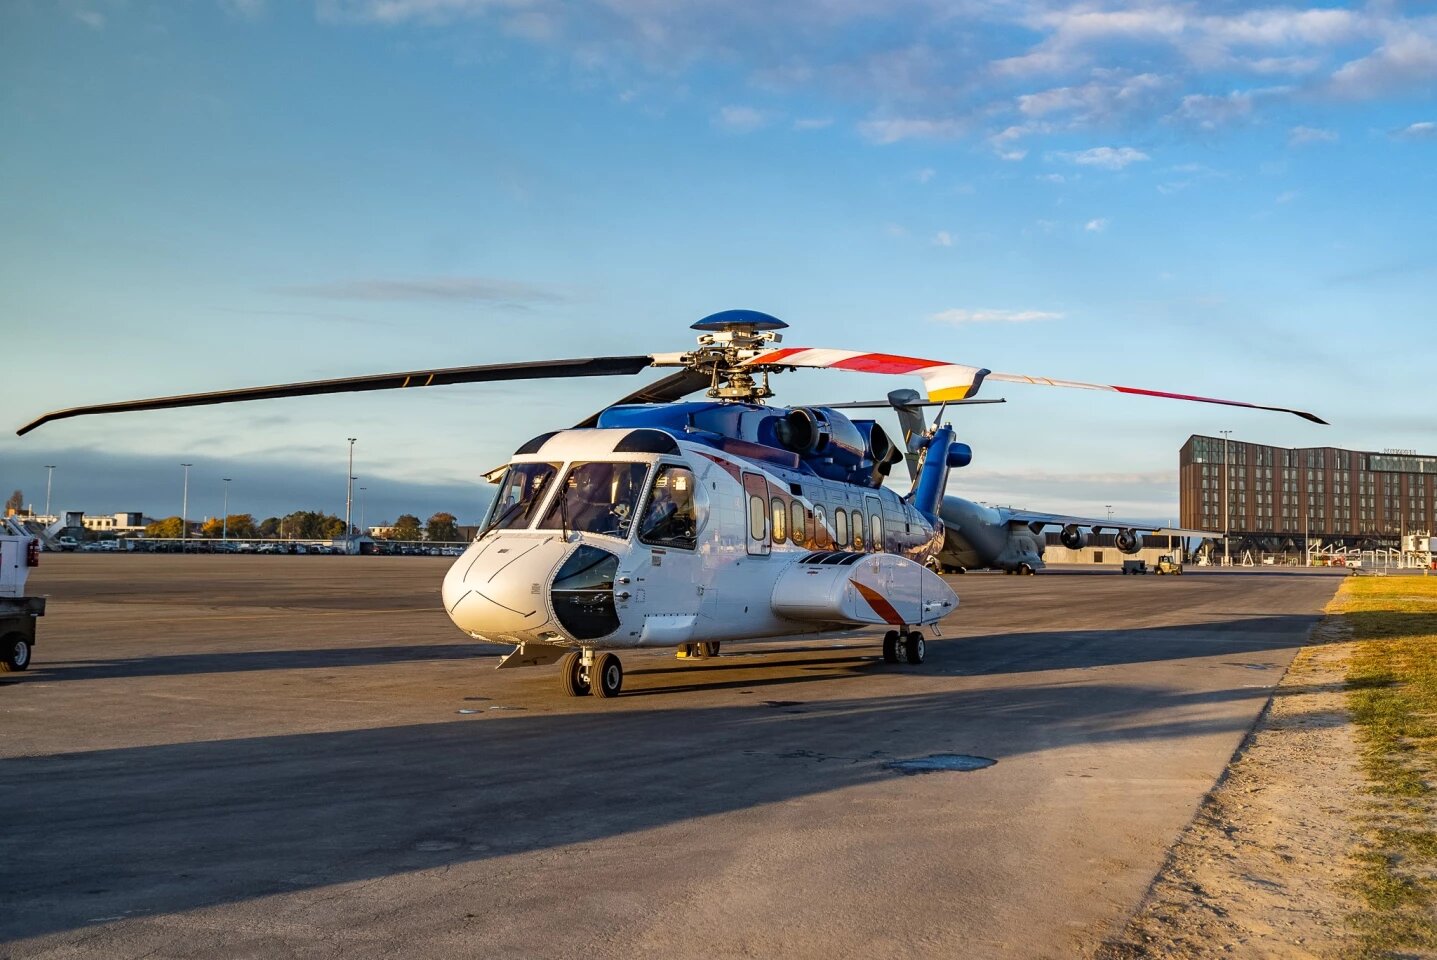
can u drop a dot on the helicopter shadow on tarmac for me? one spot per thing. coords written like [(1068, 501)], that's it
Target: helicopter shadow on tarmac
[(153, 830)]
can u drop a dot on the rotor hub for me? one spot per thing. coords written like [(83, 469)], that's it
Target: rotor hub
[(728, 339)]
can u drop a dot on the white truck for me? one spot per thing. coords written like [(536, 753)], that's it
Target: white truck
[(17, 611)]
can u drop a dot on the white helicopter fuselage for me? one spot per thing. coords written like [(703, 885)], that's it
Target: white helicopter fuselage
[(759, 551)]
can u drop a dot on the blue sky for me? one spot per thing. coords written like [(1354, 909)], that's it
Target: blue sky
[(1222, 199)]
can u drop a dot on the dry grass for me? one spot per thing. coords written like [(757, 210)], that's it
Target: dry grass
[(1392, 692)]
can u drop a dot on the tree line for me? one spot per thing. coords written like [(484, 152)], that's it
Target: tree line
[(307, 525)]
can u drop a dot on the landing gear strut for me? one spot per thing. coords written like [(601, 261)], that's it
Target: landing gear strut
[(581, 673)]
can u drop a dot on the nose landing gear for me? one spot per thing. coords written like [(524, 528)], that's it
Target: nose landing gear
[(910, 642), (581, 673)]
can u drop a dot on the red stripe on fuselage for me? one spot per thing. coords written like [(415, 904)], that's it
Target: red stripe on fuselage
[(880, 606)]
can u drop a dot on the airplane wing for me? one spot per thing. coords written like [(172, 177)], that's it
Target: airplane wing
[(1040, 520)]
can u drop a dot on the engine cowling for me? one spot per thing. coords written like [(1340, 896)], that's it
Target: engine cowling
[(1073, 537), (1128, 541)]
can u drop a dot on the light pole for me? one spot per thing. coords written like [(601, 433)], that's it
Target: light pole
[(1110, 510), (363, 529), (1226, 482), (349, 494), (225, 523), (49, 476), (185, 507)]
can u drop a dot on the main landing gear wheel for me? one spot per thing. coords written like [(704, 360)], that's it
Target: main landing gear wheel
[(890, 646), (608, 675), (914, 647), (1026, 570), (574, 675)]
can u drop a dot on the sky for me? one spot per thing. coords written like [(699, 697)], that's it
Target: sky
[(1221, 199)]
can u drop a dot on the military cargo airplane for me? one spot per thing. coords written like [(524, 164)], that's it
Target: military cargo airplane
[(657, 523), (977, 536)]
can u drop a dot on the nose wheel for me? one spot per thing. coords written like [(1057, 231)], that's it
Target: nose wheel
[(581, 673)]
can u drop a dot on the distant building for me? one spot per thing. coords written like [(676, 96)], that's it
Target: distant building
[(1277, 496), (121, 524)]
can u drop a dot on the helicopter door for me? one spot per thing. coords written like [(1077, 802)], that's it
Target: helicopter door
[(877, 536), (755, 490)]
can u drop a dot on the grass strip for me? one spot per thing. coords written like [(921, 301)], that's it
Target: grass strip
[(1392, 693)]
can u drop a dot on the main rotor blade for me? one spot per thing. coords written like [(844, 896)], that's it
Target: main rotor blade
[(1139, 391), (675, 386), (956, 381), (535, 370)]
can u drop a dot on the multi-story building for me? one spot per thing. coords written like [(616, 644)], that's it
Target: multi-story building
[(1275, 494)]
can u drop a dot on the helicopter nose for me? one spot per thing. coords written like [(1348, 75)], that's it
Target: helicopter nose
[(498, 588)]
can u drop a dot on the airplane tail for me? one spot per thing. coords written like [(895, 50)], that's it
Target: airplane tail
[(914, 426)]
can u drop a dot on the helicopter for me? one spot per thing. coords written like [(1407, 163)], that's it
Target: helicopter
[(664, 523)]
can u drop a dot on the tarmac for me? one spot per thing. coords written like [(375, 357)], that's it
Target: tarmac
[(238, 756)]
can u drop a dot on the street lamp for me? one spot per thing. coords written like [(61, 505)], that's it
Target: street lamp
[(225, 523), (1110, 510), (363, 528), (49, 476), (349, 493), (1226, 482), (185, 507)]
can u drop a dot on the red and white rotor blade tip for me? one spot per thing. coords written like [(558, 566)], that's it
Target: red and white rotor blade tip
[(946, 381)]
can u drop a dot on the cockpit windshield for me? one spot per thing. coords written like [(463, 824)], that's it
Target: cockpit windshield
[(519, 495), (597, 498)]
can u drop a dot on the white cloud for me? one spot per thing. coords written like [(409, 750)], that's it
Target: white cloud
[(1301, 136), (925, 175), (960, 316), (1406, 60), (1208, 112), (93, 19), (1287, 196), (812, 123), (1096, 225), (1107, 158), (479, 289), (1422, 130), (942, 239), (739, 119), (909, 128)]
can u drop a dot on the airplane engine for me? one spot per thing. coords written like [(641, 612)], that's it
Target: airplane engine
[(1128, 541), (1073, 537)]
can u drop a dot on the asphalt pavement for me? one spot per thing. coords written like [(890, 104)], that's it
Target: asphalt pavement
[(239, 756)]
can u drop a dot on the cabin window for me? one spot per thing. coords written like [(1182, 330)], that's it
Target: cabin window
[(821, 538), (757, 518), (671, 518), (800, 532), (877, 528), (858, 536), (597, 498), (780, 520), (523, 486), (840, 528)]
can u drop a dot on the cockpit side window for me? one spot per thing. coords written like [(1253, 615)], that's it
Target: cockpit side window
[(671, 518), (520, 493), (597, 498)]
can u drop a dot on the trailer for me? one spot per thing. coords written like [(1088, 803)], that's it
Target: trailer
[(18, 612)]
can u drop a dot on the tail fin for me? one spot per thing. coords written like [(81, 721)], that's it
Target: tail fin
[(942, 452), (910, 419)]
